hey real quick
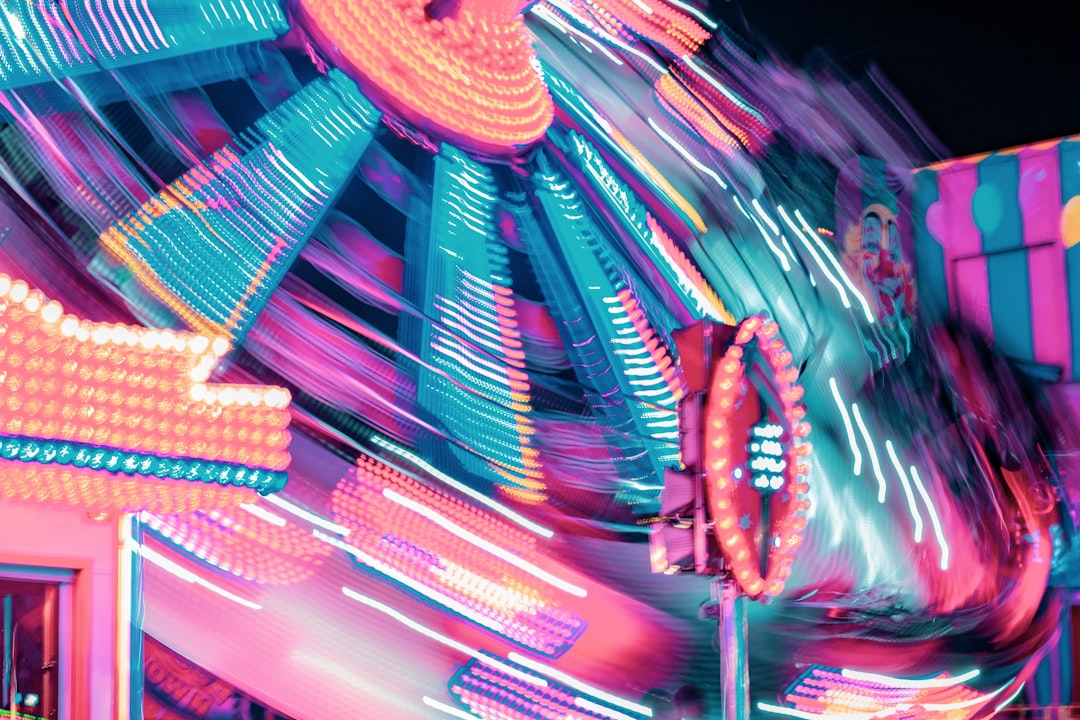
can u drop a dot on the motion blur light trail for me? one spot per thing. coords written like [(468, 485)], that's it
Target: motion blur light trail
[(462, 236)]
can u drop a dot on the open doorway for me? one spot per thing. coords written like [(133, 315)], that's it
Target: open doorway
[(33, 606)]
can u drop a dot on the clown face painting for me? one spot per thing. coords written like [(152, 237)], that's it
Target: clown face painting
[(874, 258), (874, 237)]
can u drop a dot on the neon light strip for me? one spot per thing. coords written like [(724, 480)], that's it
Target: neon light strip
[(494, 696), (764, 216), (1005, 703), (852, 442), (545, 14), (817, 258), (565, 7), (43, 42), (408, 548), (823, 692), (874, 462), (305, 515), (419, 588), (259, 550), (474, 341), (573, 682), (186, 575), (792, 712), (263, 514), (791, 252), (685, 154), (483, 544), (215, 243), (506, 512), (839, 269), (695, 12), (912, 506), (704, 72), (598, 293), (449, 709), (637, 220), (761, 229), (895, 682), (443, 639), (126, 599), (935, 521), (659, 181)]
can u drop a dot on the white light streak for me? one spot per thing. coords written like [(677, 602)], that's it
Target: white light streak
[(449, 709), (573, 682), (187, 576), (919, 683), (305, 515), (874, 462), (817, 258), (443, 639), (464, 489), (263, 514), (935, 521), (857, 469), (839, 269), (685, 154), (485, 545), (916, 516)]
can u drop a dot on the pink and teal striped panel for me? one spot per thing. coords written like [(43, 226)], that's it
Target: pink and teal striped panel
[(996, 245)]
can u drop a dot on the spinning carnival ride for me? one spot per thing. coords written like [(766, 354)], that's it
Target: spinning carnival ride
[(463, 235)]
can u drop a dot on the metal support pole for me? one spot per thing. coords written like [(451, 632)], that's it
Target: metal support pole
[(734, 670), (5, 650), (131, 615)]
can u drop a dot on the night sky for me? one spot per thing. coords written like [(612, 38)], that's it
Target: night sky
[(983, 76)]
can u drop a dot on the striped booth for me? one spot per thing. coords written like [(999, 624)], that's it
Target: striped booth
[(996, 243)]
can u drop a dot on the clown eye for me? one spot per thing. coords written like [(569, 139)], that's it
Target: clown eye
[(871, 232)]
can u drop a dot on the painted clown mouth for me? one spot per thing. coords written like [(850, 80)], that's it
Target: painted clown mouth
[(457, 70)]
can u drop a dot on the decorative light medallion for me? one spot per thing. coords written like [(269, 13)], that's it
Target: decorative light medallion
[(770, 457), (111, 416), (457, 70)]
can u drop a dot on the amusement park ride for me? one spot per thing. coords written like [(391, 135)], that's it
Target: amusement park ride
[(521, 299)]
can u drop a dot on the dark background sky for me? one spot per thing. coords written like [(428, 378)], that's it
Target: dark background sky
[(982, 75)]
